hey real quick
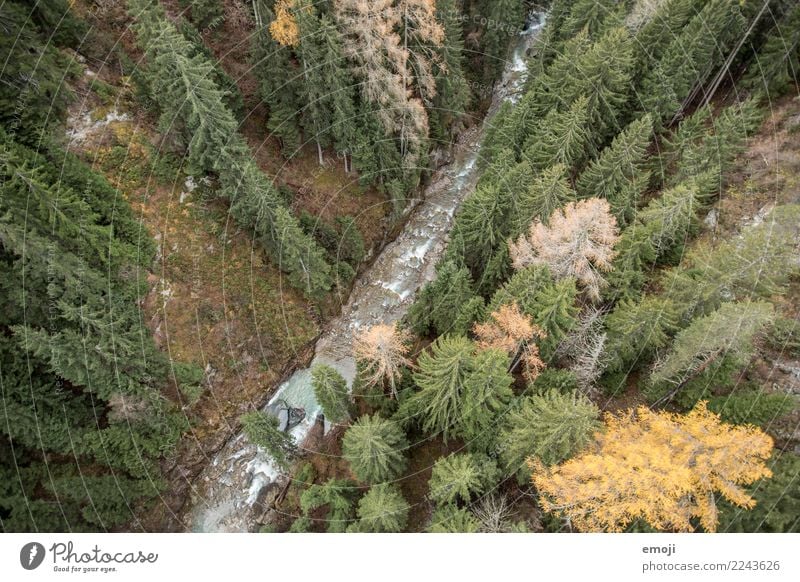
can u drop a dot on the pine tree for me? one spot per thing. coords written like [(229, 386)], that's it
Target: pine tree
[(634, 472), (330, 390), (460, 477), (452, 519), (205, 13), (452, 91), (552, 305), (374, 448), (636, 330), (619, 173), (551, 426), (381, 510), (549, 192), (724, 336), (690, 58), (502, 16), (262, 429)]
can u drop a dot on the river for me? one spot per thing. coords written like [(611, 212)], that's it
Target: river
[(229, 490)]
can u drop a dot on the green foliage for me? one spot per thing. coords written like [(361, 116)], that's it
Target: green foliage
[(453, 519), (205, 13), (562, 137), (784, 336), (619, 174), (262, 429), (551, 426), (721, 339), (462, 476), (442, 375), (338, 495), (382, 509), (487, 394), (331, 392), (549, 192), (777, 62), (374, 447), (442, 303), (691, 57), (33, 92), (777, 502), (752, 407), (452, 91), (502, 21)]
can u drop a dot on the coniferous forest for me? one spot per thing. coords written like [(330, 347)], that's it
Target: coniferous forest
[(400, 266)]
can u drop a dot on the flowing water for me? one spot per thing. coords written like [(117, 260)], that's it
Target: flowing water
[(229, 490)]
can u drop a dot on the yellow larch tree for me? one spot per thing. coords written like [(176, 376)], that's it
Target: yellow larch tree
[(284, 29), (664, 468), (511, 331)]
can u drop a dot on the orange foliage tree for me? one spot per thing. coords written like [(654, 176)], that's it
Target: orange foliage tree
[(663, 468), (513, 332), (381, 350)]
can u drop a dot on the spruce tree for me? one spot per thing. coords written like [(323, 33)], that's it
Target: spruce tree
[(619, 174), (551, 427), (723, 338), (452, 91), (562, 137), (338, 495), (442, 376), (550, 191), (331, 392), (374, 447), (381, 510), (460, 477), (262, 429), (441, 303), (503, 15), (777, 62), (487, 394)]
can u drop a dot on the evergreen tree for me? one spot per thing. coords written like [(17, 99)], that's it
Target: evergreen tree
[(487, 393), (205, 13), (777, 62), (374, 448), (381, 510), (562, 137), (331, 392), (262, 429), (442, 375), (551, 426), (777, 501), (549, 192), (441, 302), (339, 497), (619, 173), (460, 477), (592, 15), (723, 337), (503, 16), (453, 519), (752, 407), (691, 57), (636, 330), (452, 91)]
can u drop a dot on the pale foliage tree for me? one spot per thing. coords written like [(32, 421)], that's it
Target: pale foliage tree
[(578, 242), (381, 58), (511, 331), (382, 351)]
